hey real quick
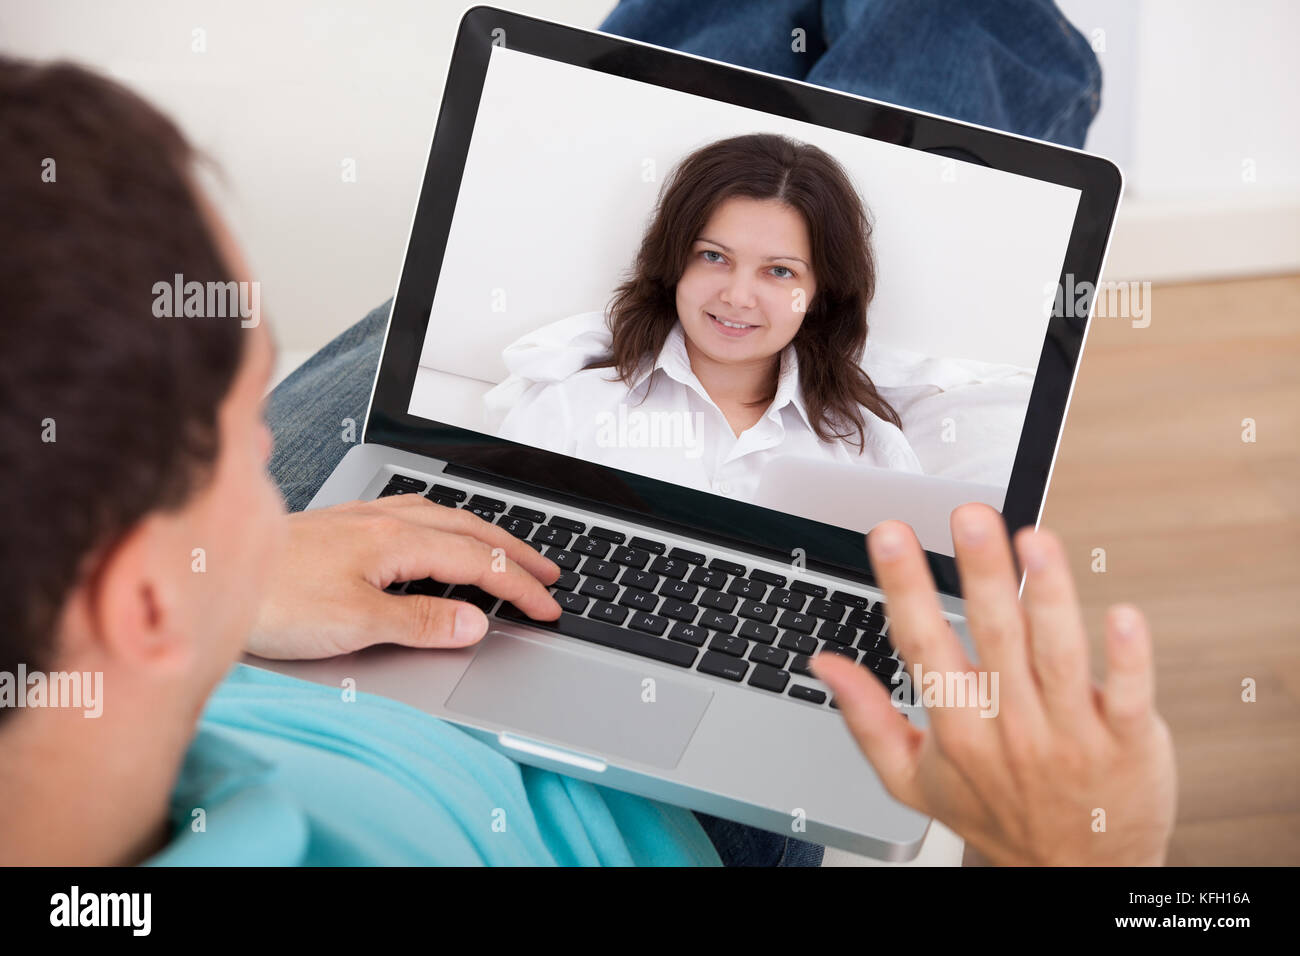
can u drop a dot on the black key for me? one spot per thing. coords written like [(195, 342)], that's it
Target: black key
[(876, 644), (598, 632), (690, 557), (565, 559), (727, 567), (769, 655), (567, 581), (799, 643), (612, 613), (729, 645), (689, 634), (590, 546), (826, 610), (443, 500), (618, 537), (717, 621), (650, 623), (758, 612), (390, 490), (767, 577), (632, 557), (528, 514), (720, 665), (569, 601), (418, 484), (830, 647), (839, 633), (521, 528), (803, 587), (852, 600), (678, 610), (641, 600), (681, 590), (427, 586), (794, 621), (491, 504), (747, 588), (879, 663), (645, 544), (455, 494), (605, 590), (757, 632), (708, 579), (534, 545), (568, 524), (596, 568), (804, 692), (787, 600), (670, 567), (769, 678), (864, 619), (718, 601), (799, 665), (474, 595), (835, 702), (639, 579), (550, 534), (487, 514)]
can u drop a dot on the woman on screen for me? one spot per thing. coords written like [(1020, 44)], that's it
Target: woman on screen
[(738, 337)]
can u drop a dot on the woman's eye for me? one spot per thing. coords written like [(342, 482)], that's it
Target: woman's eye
[(711, 252), (789, 274)]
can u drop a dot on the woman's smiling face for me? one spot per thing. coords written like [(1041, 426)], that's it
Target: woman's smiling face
[(748, 281)]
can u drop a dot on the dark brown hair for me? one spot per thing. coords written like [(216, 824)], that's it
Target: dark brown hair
[(831, 339), (96, 206)]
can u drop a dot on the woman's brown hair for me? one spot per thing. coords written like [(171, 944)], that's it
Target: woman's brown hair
[(831, 339)]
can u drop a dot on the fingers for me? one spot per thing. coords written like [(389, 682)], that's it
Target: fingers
[(990, 588), (411, 552), (917, 626), (883, 734), (421, 510), (416, 620), (1058, 641), (1129, 694)]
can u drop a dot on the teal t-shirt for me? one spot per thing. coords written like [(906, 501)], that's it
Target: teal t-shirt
[(284, 772)]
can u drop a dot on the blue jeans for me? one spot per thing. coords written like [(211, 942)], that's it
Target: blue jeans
[(1017, 66)]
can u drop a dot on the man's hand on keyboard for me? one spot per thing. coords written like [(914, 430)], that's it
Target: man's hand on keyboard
[(326, 596), (1066, 772)]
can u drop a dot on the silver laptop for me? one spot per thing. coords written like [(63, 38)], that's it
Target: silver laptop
[(678, 670)]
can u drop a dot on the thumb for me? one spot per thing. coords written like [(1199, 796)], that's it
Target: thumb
[(883, 734), (417, 620)]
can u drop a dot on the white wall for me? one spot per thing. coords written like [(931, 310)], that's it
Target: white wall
[(285, 91)]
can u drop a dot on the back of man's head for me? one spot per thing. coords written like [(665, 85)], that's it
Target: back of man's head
[(107, 411)]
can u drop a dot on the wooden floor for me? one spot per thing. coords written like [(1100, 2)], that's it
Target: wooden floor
[(1201, 530)]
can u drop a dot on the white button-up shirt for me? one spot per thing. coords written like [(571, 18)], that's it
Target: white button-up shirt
[(665, 425)]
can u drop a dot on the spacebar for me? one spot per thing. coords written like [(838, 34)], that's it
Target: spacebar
[(598, 632)]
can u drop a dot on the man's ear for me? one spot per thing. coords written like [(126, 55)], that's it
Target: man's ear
[(134, 597)]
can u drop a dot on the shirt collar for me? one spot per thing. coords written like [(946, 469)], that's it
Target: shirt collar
[(676, 364), (235, 788)]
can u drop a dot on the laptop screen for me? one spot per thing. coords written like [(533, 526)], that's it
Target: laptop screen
[(730, 304), (743, 304)]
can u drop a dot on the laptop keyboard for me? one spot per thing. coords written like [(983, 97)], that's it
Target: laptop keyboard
[(681, 607)]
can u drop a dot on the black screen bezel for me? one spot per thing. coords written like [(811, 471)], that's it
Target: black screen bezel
[(662, 504)]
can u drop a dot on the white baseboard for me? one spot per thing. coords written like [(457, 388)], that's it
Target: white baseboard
[(1206, 239)]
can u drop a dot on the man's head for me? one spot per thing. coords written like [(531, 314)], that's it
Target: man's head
[(140, 517)]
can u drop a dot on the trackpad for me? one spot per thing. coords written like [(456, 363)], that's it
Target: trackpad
[(550, 693)]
